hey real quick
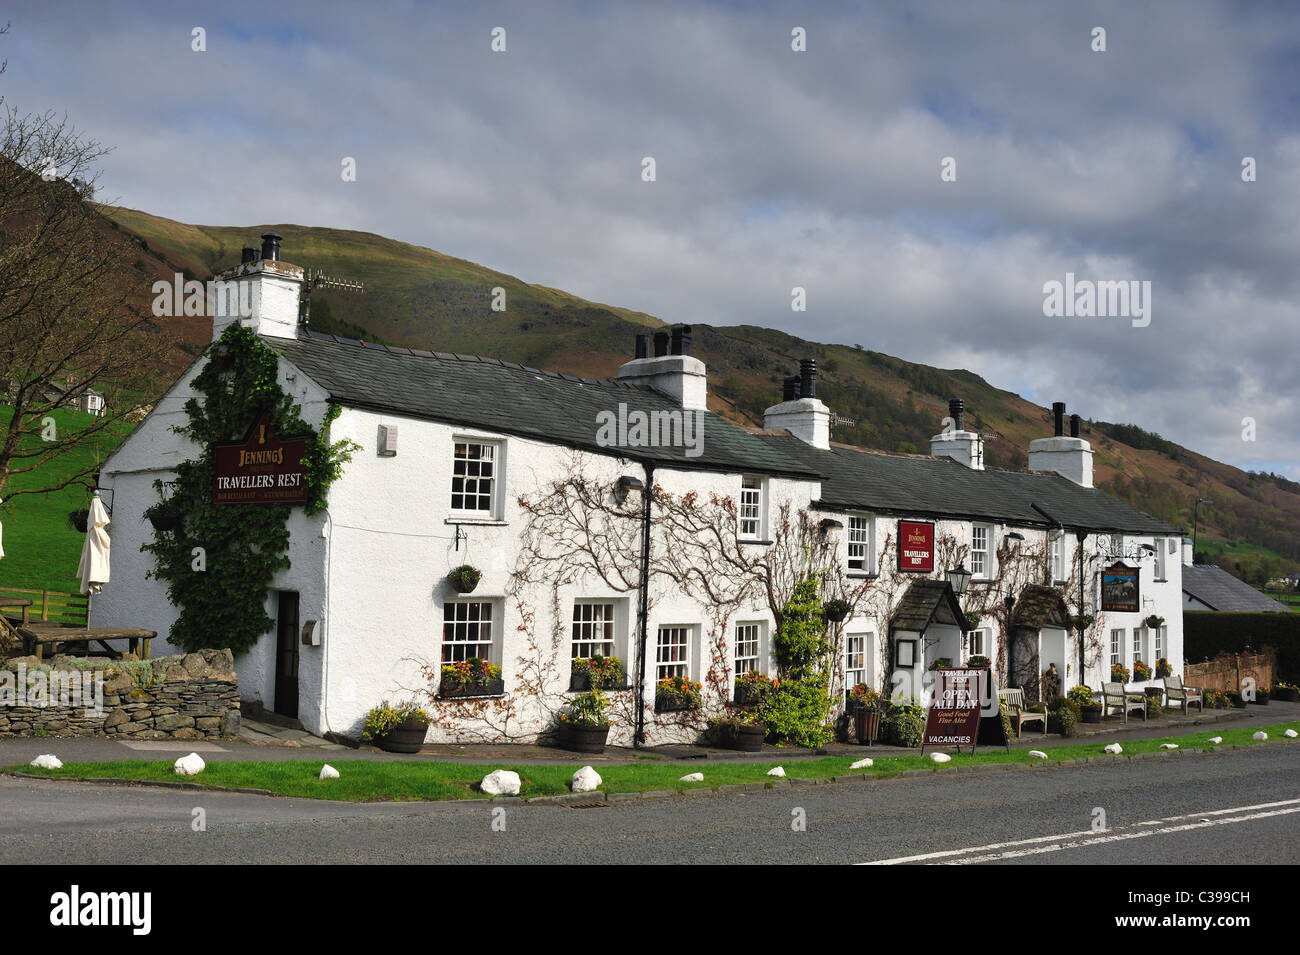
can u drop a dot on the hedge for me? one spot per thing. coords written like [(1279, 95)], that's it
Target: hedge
[(1206, 633)]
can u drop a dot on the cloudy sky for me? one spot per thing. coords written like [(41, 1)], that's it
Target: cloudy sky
[(774, 168)]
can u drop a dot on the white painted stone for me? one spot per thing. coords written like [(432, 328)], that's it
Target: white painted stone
[(1115, 748), (586, 780), (1259, 736), (190, 765), (776, 771), (1289, 734), (863, 763), (692, 778), (47, 761), (1216, 740), (1168, 745), (941, 757), (500, 782), (1037, 754), (328, 772)]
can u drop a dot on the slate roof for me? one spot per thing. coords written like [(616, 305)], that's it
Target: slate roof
[(919, 485), (926, 600), (1219, 590), (514, 399)]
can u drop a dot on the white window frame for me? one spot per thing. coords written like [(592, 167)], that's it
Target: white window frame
[(863, 539), (494, 495), (1139, 642), (678, 655), (752, 638), (1117, 646), (1160, 559), (588, 615), (1161, 636), (751, 515), (1058, 560), (983, 570), (469, 620), (984, 636), (855, 659)]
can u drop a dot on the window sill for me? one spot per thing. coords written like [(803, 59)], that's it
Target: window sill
[(860, 575), (1160, 580), (482, 521), (748, 540)]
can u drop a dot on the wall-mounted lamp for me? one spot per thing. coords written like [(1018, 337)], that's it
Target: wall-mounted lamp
[(830, 528), (959, 577), (625, 484), (1014, 536)]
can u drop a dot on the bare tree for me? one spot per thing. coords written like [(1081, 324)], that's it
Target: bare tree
[(67, 325)]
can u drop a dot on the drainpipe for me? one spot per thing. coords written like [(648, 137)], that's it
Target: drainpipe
[(643, 623), (1081, 536)]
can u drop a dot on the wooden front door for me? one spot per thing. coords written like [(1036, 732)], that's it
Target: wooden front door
[(286, 655)]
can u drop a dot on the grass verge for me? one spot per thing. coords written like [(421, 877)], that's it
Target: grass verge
[(419, 779)]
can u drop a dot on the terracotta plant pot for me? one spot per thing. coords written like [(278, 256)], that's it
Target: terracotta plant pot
[(583, 739), (405, 737)]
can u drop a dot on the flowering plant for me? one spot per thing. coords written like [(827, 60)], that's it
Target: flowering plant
[(864, 695), (384, 717), (600, 670), (473, 670), (1163, 669), (587, 709), (1141, 671), (679, 688), (1119, 673)]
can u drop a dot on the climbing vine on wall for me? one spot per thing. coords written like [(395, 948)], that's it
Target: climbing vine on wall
[(221, 558)]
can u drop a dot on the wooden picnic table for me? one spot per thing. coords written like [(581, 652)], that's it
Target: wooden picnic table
[(15, 603), (37, 635)]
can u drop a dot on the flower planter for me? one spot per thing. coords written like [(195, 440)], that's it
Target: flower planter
[(464, 579), (866, 724), (1090, 714), (164, 521), (675, 704), (835, 611), (79, 520), (748, 693), (1261, 698), (405, 737), (1287, 695), (577, 738), (459, 691), (1236, 700), (581, 683), (746, 738)]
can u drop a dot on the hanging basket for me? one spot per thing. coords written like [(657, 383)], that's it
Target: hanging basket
[(164, 517), (79, 520), (835, 610), (464, 579)]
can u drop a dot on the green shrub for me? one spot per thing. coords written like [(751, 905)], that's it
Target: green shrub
[(1082, 696), (903, 724), (1065, 714), (796, 711)]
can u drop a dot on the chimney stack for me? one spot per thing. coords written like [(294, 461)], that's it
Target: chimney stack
[(964, 447), (1070, 457), (800, 412), (249, 254), (677, 375), (271, 246), (643, 346)]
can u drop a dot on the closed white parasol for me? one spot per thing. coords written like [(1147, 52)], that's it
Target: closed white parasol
[(93, 569)]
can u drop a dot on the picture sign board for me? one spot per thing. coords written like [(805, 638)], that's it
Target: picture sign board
[(1119, 589), (262, 469), (954, 716), (916, 546)]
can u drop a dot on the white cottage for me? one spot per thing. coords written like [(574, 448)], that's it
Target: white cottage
[(458, 450)]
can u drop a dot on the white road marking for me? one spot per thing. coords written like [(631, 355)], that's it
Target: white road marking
[(1074, 840)]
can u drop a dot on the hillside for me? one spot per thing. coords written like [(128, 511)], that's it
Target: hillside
[(417, 297)]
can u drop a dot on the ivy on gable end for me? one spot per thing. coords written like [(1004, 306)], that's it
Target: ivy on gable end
[(221, 590)]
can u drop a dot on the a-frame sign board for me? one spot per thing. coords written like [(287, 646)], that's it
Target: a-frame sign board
[(991, 731), (954, 715)]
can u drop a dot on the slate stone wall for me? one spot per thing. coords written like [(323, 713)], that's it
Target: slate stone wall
[(194, 696)]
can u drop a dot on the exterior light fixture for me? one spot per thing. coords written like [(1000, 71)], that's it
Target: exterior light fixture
[(830, 527), (625, 484), (959, 578)]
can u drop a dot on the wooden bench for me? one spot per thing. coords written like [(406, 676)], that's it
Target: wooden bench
[(1015, 700), (37, 636), (1115, 694), (1176, 693)]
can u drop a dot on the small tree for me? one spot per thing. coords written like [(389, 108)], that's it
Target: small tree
[(798, 708)]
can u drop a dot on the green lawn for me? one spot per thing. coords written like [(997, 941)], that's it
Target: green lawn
[(417, 779), (41, 547)]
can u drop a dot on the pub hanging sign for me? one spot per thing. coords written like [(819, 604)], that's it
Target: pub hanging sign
[(1119, 589), (264, 468), (916, 546)]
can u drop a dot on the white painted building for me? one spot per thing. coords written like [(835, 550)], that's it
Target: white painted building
[(366, 601)]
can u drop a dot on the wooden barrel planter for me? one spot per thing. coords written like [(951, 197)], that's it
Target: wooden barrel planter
[(583, 739), (866, 724), (1090, 714), (747, 738), (406, 737)]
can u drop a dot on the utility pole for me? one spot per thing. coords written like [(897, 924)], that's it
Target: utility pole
[(1195, 514)]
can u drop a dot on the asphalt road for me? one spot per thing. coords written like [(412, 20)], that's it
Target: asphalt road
[(1233, 806)]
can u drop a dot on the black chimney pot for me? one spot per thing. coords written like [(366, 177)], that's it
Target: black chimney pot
[(681, 343), (643, 346), (1058, 414), (956, 410), (1074, 425), (790, 388), (271, 246), (661, 344), (808, 378), (249, 254)]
